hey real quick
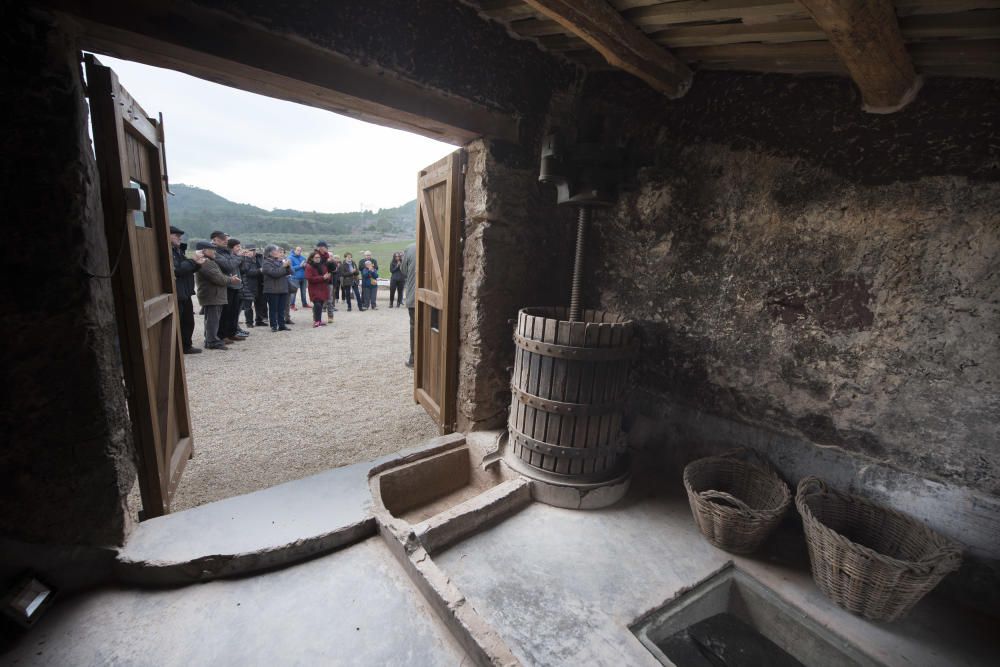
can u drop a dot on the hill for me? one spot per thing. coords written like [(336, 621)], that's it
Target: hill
[(199, 211)]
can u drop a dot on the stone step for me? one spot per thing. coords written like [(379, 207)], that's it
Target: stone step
[(257, 531)]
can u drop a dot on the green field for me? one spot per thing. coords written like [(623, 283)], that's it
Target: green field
[(381, 250)]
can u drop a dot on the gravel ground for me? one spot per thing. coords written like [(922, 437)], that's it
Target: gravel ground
[(282, 406)]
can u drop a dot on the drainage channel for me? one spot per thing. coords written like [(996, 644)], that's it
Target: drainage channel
[(732, 619)]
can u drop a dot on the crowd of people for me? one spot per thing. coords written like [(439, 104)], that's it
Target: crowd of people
[(229, 279)]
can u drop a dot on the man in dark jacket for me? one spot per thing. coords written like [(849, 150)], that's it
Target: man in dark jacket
[(230, 266), (212, 288), (184, 270), (250, 274), (260, 301), (236, 250)]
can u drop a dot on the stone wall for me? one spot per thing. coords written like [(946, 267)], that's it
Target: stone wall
[(819, 284), (66, 462), (797, 264), (517, 253)]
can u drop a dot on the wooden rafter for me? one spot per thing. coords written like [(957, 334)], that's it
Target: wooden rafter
[(866, 37), (622, 44)]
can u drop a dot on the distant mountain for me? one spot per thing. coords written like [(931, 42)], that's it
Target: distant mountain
[(199, 212)]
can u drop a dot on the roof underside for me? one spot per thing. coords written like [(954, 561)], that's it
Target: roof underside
[(943, 37)]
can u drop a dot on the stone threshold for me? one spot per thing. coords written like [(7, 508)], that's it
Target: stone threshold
[(263, 530)]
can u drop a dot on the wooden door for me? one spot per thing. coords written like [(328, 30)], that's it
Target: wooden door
[(441, 200), (130, 157)]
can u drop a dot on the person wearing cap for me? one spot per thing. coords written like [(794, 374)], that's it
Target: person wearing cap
[(298, 264), (184, 270), (236, 250), (230, 267), (212, 288)]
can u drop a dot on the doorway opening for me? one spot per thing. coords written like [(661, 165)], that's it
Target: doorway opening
[(266, 407)]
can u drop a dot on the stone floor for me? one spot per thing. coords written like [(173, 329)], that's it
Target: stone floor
[(352, 607), (561, 587), (553, 586)]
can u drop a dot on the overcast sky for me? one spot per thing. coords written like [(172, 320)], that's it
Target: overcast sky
[(275, 154)]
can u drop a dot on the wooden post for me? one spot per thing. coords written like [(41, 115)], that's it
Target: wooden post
[(866, 38), (621, 43)]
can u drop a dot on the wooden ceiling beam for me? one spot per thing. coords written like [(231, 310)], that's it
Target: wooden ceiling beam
[(622, 44), (185, 37), (865, 35), (689, 11), (750, 12), (516, 9), (981, 24)]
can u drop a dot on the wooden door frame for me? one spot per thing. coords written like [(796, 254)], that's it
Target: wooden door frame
[(134, 315), (450, 170)]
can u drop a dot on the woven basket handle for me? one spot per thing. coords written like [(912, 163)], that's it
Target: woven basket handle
[(810, 485), (943, 560), (726, 498)]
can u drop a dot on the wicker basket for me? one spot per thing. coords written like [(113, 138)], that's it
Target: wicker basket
[(870, 560), (735, 503)]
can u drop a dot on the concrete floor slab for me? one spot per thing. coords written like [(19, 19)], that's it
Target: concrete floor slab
[(571, 582), (355, 606)]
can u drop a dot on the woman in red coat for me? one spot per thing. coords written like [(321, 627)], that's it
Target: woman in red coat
[(318, 277)]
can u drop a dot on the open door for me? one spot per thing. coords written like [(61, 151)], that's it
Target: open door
[(130, 157), (440, 195)]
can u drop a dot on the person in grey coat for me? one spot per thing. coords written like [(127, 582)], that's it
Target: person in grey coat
[(410, 271), (276, 270), (212, 292)]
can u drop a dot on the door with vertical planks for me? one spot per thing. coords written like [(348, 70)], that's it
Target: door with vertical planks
[(130, 157), (440, 199)]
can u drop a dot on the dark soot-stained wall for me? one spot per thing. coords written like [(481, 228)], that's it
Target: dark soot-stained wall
[(442, 44), (797, 264), (65, 463)]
